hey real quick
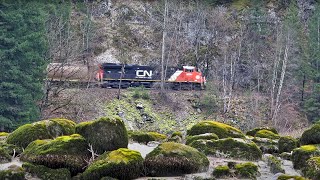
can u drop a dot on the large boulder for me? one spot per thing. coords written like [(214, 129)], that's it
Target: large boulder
[(220, 129), (311, 135), (229, 147), (208, 136), (266, 134), (266, 145), (121, 164), (104, 134), (312, 169), (302, 154), (145, 137), (287, 144), (69, 152), (255, 130), (13, 172), (246, 170), (172, 158), (4, 156), (45, 129), (43, 172)]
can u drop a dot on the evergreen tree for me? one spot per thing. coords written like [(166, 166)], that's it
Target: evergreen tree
[(22, 52)]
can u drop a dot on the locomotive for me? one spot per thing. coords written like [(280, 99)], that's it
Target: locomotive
[(113, 75)]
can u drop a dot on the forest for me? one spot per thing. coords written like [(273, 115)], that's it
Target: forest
[(261, 49)]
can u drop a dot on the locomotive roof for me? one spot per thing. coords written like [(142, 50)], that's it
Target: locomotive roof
[(127, 66)]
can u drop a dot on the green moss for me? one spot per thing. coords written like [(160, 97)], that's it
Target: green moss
[(46, 129), (177, 133), (10, 148), (158, 136), (121, 164), (220, 129), (302, 154), (255, 130), (312, 169), (63, 152), (12, 174), (4, 156), (145, 137), (4, 134), (229, 147), (104, 134), (221, 171), (44, 172), (311, 135), (289, 177), (171, 158), (267, 134), (266, 145), (287, 144), (207, 136), (275, 165), (246, 170)]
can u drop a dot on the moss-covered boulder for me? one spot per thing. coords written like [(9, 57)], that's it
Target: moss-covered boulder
[(302, 154), (13, 173), (46, 129), (104, 134), (46, 173), (275, 164), (266, 134), (11, 149), (266, 145), (229, 147), (69, 152), (287, 144), (171, 158), (121, 164), (221, 171), (3, 135), (145, 137), (246, 170), (208, 136), (290, 177), (312, 169), (175, 137), (311, 135), (4, 156), (255, 130), (220, 129)]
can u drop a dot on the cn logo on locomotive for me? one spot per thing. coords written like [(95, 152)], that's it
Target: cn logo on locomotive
[(143, 73)]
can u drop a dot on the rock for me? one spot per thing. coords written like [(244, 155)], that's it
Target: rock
[(275, 164), (221, 171), (13, 173), (220, 129), (302, 154), (312, 169), (145, 137), (255, 130), (208, 136), (229, 147), (287, 144), (290, 177), (121, 164), (171, 158), (285, 155), (311, 135), (266, 134), (246, 170), (104, 134), (266, 145), (46, 129), (11, 149), (4, 156), (63, 152), (46, 173)]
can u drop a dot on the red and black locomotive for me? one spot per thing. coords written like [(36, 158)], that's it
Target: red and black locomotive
[(113, 75)]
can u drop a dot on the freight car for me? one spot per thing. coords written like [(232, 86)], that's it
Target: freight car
[(113, 75)]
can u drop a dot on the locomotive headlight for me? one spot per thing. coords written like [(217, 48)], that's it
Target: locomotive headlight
[(197, 77)]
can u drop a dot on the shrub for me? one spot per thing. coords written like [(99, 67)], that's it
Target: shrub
[(104, 134), (171, 158), (287, 144), (121, 164), (220, 129)]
